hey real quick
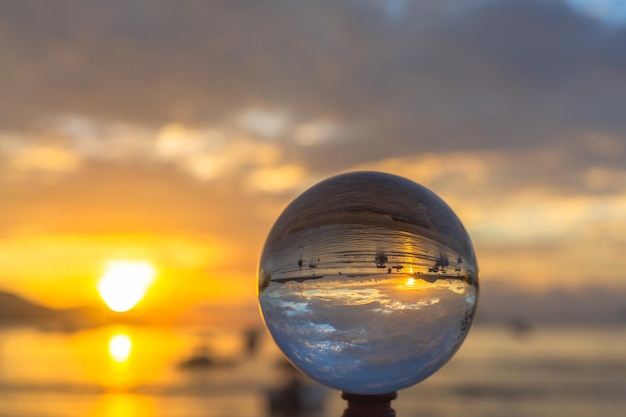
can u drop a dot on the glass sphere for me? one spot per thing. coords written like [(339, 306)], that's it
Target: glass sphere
[(368, 282)]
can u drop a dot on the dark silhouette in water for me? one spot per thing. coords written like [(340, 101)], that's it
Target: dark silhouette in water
[(295, 397), (287, 400), (202, 359), (251, 342), (381, 260)]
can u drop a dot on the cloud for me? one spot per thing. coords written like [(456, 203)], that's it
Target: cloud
[(317, 132), (48, 159), (435, 79), (264, 123), (324, 87), (219, 113), (576, 167), (203, 153), (276, 180)]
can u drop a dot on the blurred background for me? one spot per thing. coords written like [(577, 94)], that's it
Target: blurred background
[(146, 148)]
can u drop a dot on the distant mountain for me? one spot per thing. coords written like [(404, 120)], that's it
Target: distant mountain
[(17, 311), (16, 308)]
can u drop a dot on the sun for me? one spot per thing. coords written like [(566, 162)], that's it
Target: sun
[(125, 283)]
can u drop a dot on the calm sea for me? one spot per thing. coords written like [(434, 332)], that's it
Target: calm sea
[(130, 371)]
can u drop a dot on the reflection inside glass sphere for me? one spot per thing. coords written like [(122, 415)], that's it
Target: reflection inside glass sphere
[(368, 282)]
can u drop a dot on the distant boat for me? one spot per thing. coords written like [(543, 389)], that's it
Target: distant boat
[(201, 359), (519, 327)]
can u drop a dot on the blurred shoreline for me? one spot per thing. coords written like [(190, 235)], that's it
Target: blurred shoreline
[(498, 306), (546, 370)]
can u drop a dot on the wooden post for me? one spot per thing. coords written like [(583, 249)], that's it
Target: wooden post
[(369, 405)]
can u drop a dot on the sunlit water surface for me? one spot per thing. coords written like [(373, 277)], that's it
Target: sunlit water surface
[(546, 372)]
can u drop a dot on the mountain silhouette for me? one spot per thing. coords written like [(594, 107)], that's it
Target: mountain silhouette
[(18, 311), (14, 307)]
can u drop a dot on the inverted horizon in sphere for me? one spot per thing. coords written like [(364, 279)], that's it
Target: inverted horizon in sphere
[(368, 282)]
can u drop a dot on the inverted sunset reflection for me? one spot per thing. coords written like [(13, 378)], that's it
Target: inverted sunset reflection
[(337, 318)]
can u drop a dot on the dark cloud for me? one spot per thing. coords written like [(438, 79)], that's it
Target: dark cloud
[(405, 78)]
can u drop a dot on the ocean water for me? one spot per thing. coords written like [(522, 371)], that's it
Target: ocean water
[(136, 371)]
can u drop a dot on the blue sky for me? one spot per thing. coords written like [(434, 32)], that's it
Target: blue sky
[(610, 12)]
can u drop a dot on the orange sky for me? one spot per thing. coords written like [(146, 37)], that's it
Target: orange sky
[(183, 153)]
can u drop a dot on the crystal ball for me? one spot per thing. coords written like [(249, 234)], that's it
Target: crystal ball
[(368, 282)]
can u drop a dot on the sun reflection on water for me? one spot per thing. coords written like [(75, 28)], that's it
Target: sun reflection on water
[(120, 347), (120, 404)]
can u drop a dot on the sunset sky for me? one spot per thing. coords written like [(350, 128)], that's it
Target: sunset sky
[(174, 133)]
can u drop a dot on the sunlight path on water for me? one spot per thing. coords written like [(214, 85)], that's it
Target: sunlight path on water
[(545, 371), (120, 347), (120, 404)]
